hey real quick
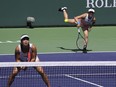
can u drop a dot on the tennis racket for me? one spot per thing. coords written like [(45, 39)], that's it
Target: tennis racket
[(80, 41)]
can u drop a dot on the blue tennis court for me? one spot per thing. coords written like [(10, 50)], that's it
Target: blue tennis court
[(92, 56), (66, 76)]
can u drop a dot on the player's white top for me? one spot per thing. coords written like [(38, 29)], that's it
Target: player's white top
[(89, 20), (26, 56)]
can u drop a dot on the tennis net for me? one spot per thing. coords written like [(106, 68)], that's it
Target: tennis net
[(61, 74)]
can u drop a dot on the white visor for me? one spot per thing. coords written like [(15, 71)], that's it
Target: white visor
[(91, 10), (24, 36)]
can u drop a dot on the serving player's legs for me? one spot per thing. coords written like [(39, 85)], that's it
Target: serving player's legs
[(86, 34), (65, 14)]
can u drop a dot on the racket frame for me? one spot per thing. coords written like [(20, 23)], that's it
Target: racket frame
[(80, 35)]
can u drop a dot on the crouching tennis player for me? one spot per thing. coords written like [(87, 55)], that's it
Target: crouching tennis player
[(26, 52)]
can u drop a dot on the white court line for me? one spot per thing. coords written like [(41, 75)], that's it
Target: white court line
[(97, 85), (9, 41), (60, 75), (69, 52), (77, 52)]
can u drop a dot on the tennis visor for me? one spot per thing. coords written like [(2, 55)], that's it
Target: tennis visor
[(24, 36), (91, 10)]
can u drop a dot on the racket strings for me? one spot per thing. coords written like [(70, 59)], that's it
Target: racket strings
[(80, 42)]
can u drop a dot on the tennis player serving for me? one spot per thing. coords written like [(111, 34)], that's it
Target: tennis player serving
[(26, 52), (84, 21)]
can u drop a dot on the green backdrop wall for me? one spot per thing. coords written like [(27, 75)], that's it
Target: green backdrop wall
[(15, 12)]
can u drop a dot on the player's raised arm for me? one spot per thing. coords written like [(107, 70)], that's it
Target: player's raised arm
[(82, 16)]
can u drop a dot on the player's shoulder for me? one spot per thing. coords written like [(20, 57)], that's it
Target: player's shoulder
[(94, 19), (17, 48), (32, 46)]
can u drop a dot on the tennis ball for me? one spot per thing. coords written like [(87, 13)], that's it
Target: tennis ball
[(66, 20)]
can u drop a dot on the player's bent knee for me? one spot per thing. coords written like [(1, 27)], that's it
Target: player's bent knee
[(66, 20), (41, 73), (15, 71)]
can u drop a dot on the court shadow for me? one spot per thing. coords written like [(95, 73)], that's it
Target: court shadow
[(75, 50)]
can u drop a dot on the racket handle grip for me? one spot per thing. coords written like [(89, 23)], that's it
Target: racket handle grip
[(79, 30)]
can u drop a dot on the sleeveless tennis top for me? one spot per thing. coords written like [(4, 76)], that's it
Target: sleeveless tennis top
[(24, 57), (88, 20)]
